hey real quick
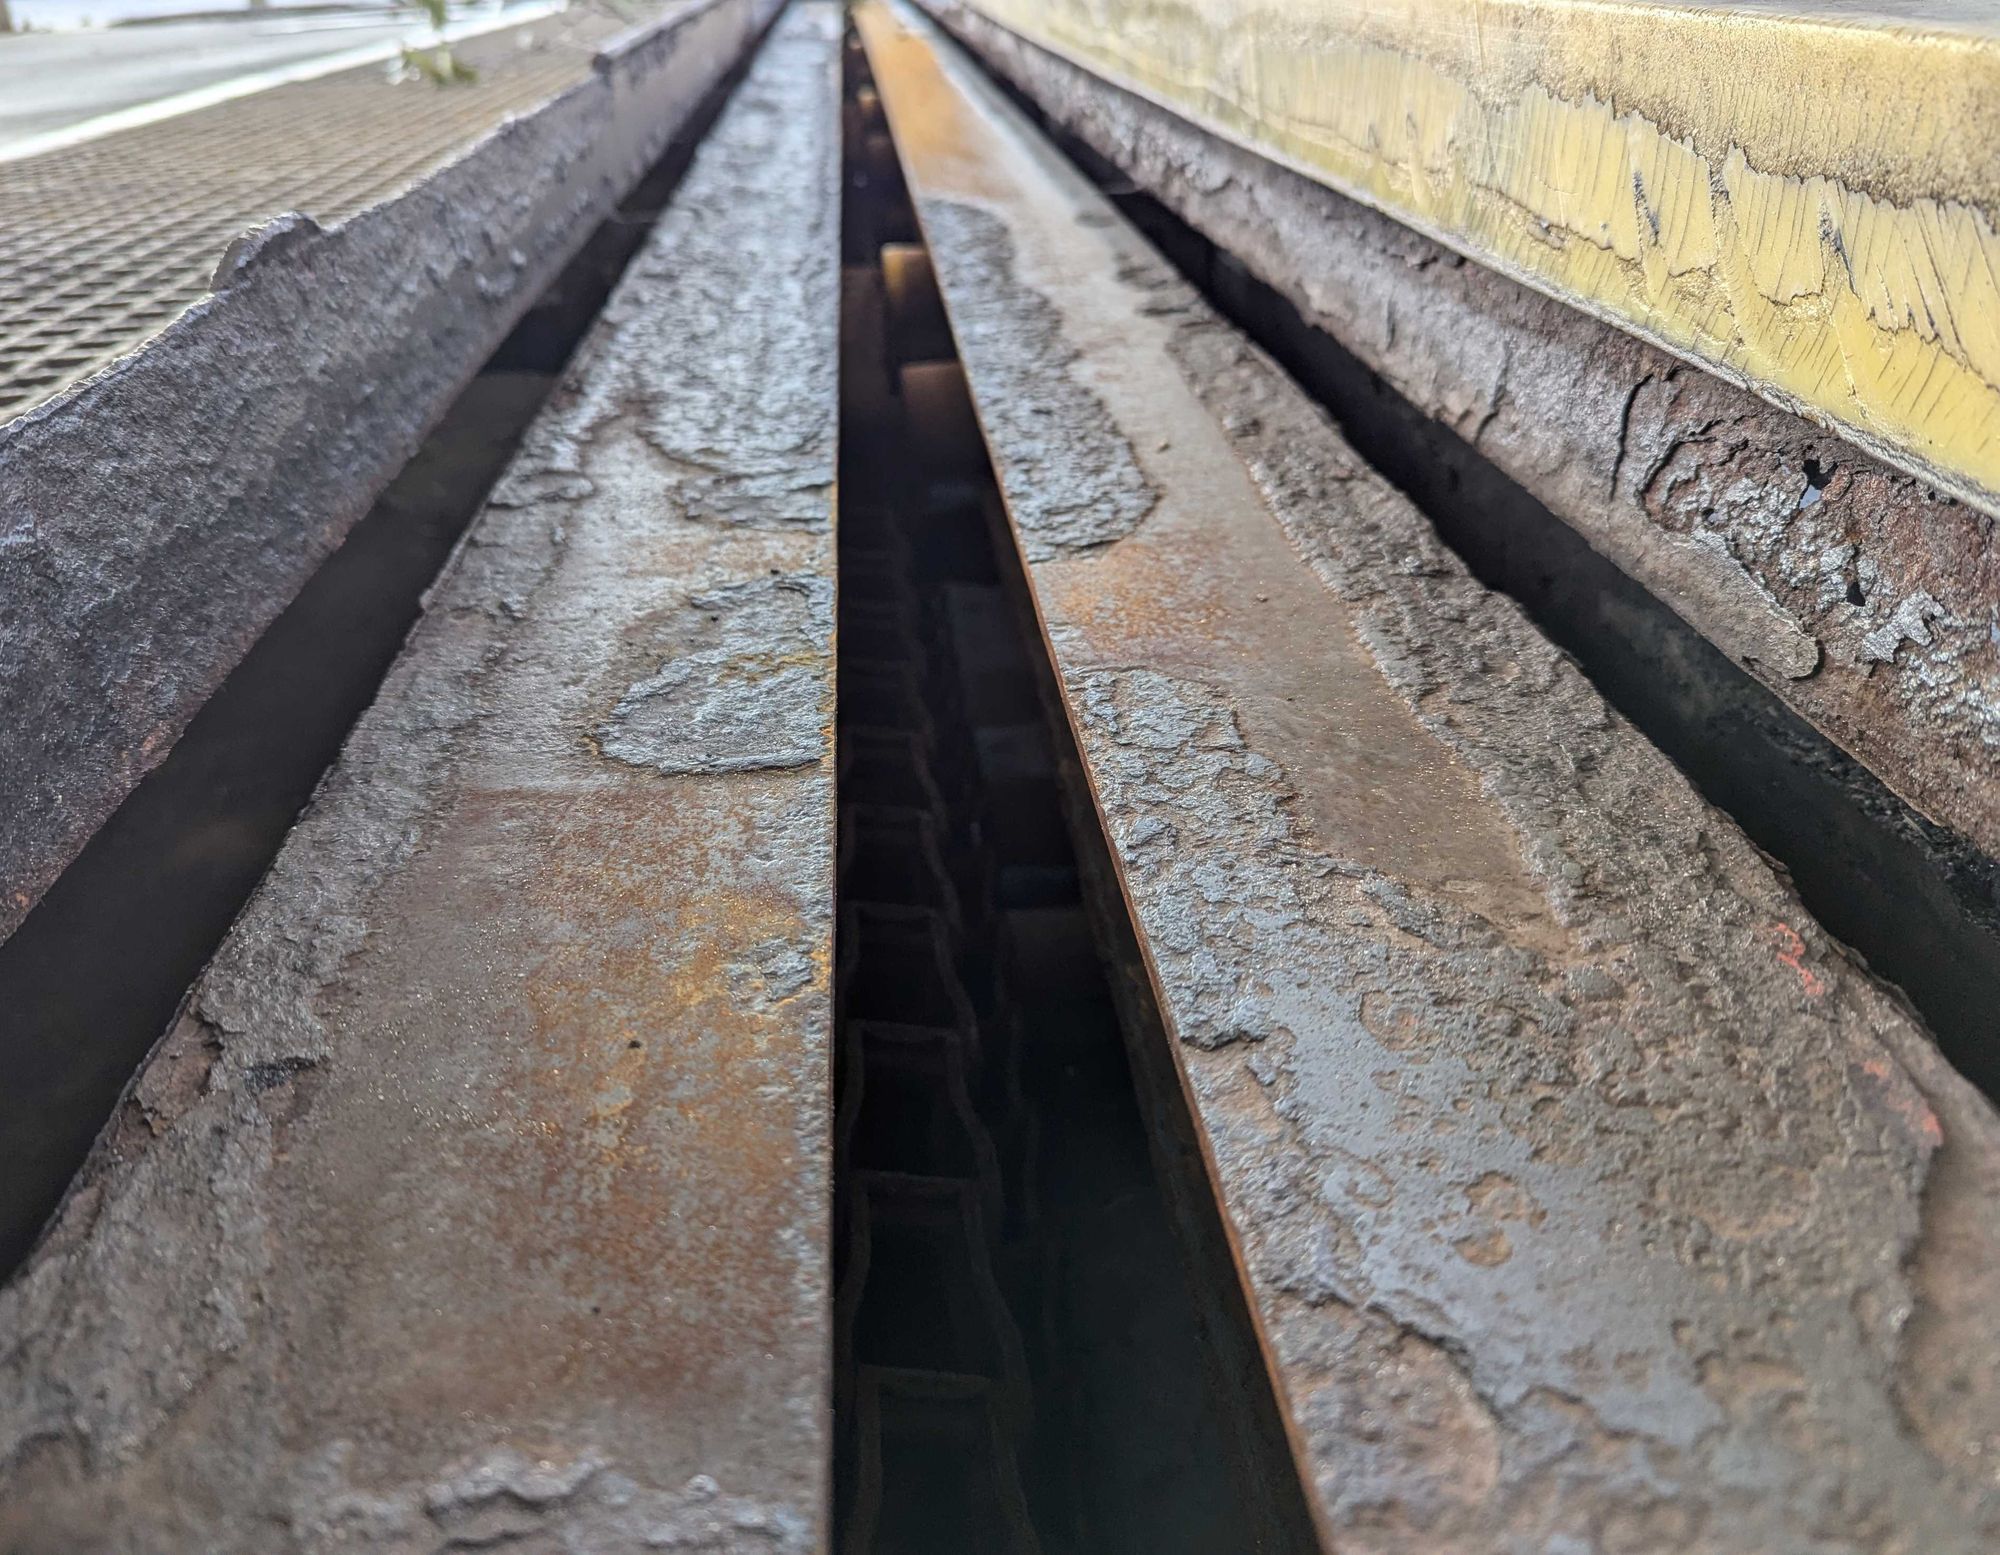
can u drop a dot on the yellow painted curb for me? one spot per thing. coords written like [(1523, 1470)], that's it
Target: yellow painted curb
[(1802, 203)]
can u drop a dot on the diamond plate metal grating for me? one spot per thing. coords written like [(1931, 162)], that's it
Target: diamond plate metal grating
[(105, 243)]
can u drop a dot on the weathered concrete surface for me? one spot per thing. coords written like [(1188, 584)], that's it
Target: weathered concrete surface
[(1859, 595), (157, 517), (479, 1194), (1588, 1199)]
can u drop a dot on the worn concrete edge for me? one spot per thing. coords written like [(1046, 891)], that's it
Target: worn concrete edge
[(1837, 301), (161, 1284), (1700, 491), (1856, 1332), (155, 517)]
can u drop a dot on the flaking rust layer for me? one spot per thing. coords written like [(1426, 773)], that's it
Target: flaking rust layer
[(477, 1197), (1861, 596), (1588, 1197)]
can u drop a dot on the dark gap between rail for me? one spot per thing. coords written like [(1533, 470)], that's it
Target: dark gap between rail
[(1041, 1342), (93, 976), (1919, 904)]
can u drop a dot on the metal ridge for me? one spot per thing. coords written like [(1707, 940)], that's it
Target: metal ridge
[(479, 1193), (1584, 1192)]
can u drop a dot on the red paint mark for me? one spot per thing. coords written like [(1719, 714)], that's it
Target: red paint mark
[(1792, 952), (1903, 1101)]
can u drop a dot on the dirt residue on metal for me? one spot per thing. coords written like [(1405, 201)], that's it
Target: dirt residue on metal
[(1418, 1122), (1601, 1239), (744, 685), (1457, 1110), (1077, 484), (155, 518), (752, 368)]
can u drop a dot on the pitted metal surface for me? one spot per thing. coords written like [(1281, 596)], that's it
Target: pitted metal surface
[(1859, 595), (478, 1194), (1588, 1197), (155, 518)]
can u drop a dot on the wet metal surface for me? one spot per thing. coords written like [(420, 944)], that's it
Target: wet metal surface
[(1588, 1198), (154, 519), (1919, 902), (479, 1193)]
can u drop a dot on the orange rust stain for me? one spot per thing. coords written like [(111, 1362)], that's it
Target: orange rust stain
[(1120, 598), (640, 1143), (1221, 597), (637, 1220), (926, 115)]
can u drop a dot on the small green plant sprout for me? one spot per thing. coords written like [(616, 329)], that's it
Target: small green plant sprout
[(435, 62)]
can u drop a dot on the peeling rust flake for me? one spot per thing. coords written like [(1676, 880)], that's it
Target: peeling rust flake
[(477, 1197), (1086, 489), (745, 688), (1587, 1196)]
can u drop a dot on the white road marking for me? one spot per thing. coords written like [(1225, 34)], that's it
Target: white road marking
[(263, 80)]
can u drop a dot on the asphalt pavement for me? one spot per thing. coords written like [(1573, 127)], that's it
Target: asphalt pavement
[(53, 82)]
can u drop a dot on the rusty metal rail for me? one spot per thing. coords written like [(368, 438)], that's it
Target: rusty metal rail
[(1585, 1194), (997, 1387), (480, 1191), (1287, 1065)]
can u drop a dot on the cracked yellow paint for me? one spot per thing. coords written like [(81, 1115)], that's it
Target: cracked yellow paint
[(1801, 200)]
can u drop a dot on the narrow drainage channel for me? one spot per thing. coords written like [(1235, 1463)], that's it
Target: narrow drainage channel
[(1919, 903), (92, 977), (1024, 1360)]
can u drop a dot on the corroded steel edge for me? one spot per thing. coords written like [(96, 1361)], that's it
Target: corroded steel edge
[(1821, 231), (1695, 487), (480, 1192), (155, 518), (1588, 1197)]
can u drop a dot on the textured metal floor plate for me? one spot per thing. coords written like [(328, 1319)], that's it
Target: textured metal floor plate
[(104, 243)]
